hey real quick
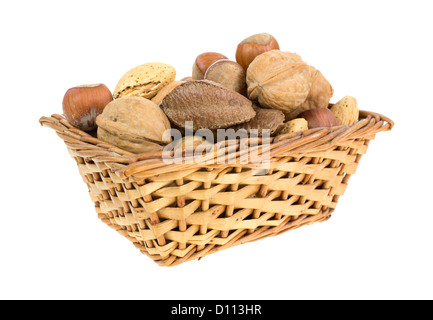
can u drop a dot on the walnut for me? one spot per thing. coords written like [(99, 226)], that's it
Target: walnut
[(134, 124), (320, 93), (281, 80)]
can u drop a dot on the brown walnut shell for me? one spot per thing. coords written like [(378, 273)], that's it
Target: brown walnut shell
[(134, 124), (207, 104), (279, 80), (319, 96)]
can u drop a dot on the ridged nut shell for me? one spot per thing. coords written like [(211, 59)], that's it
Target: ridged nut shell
[(145, 80), (279, 80), (207, 104), (134, 124), (319, 96)]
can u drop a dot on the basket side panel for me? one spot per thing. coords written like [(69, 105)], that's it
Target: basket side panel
[(177, 217)]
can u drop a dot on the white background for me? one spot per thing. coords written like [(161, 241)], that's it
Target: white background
[(378, 243)]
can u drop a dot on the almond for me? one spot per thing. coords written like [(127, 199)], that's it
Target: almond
[(346, 111)]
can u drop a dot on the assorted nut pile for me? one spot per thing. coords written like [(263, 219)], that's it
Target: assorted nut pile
[(263, 89)]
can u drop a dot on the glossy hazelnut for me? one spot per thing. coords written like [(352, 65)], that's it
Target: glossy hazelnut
[(254, 45), (82, 104), (203, 62), (319, 117)]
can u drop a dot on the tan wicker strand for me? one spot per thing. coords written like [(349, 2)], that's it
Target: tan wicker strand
[(178, 212)]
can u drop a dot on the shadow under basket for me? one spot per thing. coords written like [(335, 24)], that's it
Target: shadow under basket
[(177, 212)]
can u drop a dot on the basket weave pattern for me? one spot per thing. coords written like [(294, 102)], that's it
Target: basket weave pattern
[(181, 212)]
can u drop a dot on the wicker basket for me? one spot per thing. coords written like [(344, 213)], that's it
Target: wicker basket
[(180, 212)]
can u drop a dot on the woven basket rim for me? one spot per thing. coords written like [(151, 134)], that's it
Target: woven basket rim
[(126, 164)]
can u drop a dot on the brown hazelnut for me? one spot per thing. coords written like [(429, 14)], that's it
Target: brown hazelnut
[(229, 74), (202, 62), (319, 117), (254, 45), (82, 104)]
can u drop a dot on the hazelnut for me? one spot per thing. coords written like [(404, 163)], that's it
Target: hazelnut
[(254, 45), (229, 74), (319, 117), (202, 62), (82, 104)]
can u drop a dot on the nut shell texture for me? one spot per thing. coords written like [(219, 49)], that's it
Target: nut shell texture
[(320, 117), (145, 80), (319, 96), (134, 124), (82, 104), (128, 143), (346, 110), (229, 74), (279, 80), (270, 119), (249, 48), (208, 104), (202, 63), (164, 91), (294, 125)]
